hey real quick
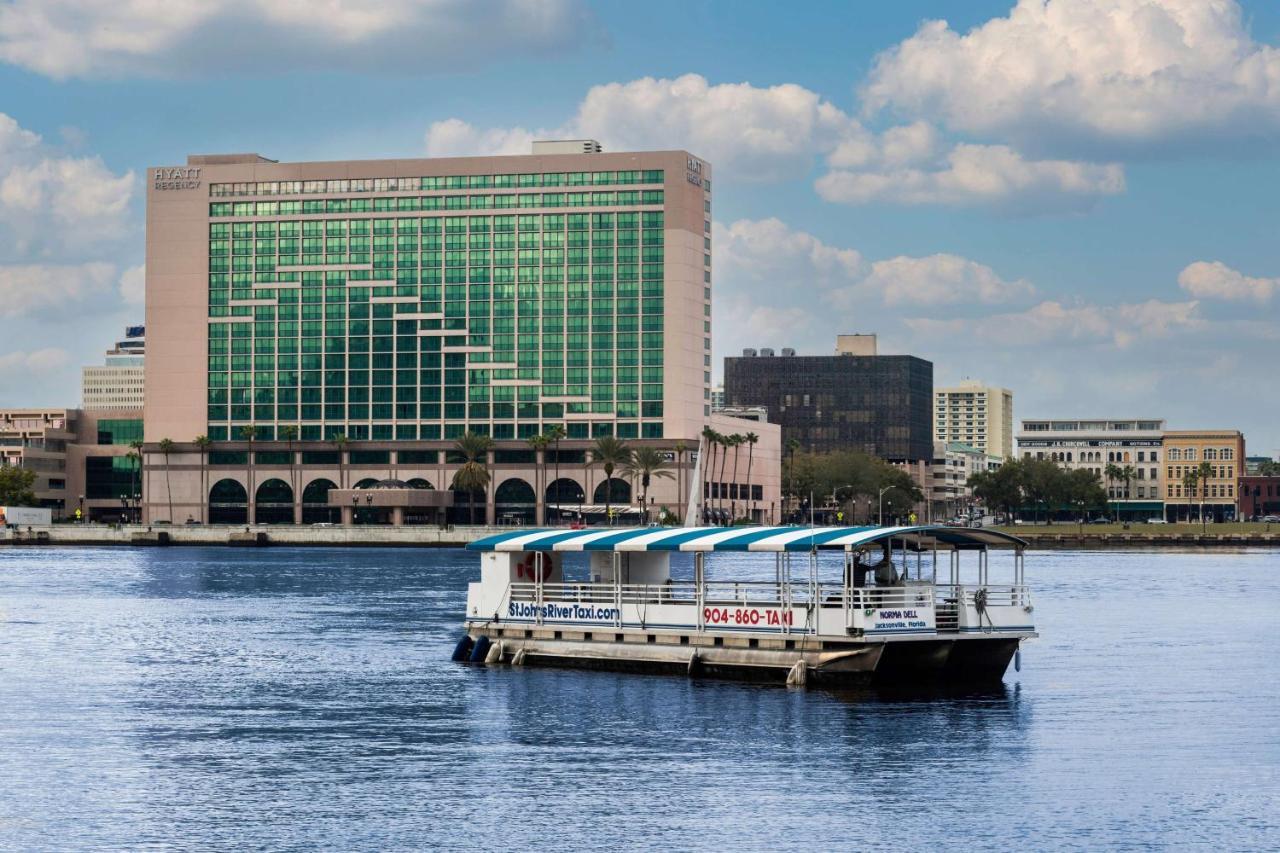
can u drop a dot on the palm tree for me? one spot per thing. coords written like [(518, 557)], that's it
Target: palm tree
[(203, 444), (340, 439), (610, 453), (139, 478), (473, 476), (751, 438), (1204, 472), (645, 464), (680, 448), (539, 445), (725, 442), (1113, 472), (554, 434), (290, 434), (249, 432), (166, 447), (734, 441), (708, 464), (1189, 482)]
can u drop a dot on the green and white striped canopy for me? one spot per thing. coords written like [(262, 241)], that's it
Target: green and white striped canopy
[(773, 539)]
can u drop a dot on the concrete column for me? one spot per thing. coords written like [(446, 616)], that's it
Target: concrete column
[(348, 517), (297, 509), (397, 516)]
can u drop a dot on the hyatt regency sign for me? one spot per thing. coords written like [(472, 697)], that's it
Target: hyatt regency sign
[(177, 178)]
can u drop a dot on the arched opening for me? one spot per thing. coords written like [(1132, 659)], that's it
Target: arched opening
[(365, 483), (315, 508), (563, 497), (419, 483), (273, 502), (228, 503), (613, 491), (515, 502)]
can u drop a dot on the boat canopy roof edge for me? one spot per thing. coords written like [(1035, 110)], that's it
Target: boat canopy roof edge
[(769, 539)]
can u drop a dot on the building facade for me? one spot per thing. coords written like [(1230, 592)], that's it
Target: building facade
[(978, 415), (1094, 445), (352, 320), (1259, 496), (876, 404), (1215, 496), (947, 490), (83, 460), (119, 382)]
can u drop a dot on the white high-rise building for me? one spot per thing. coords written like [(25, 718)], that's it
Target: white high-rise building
[(118, 383), (978, 415)]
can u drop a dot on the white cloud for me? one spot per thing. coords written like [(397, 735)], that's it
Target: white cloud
[(49, 200), (52, 290), (133, 285), (771, 252), (974, 175), (37, 361), (766, 258), (1053, 322), (85, 38), (941, 280), (773, 133), (757, 133), (1216, 280), (1092, 74)]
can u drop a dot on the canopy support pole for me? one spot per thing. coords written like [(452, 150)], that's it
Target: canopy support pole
[(699, 588)]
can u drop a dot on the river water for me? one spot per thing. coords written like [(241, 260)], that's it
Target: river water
[(210, 698)]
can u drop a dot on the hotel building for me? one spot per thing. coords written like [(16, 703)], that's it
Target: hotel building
[(975, 414), (395, 305), (1095, 444)]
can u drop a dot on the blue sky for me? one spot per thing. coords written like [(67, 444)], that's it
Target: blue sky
[(1074, 199)]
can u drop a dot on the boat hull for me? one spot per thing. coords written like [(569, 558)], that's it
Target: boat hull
[(834, 662)]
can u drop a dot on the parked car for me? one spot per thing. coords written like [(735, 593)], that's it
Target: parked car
[(1156, 521), (1271, 519)]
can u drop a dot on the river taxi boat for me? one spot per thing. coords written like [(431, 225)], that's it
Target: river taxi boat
[(878, 612)]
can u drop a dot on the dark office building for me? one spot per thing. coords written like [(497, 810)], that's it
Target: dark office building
[(878, 404)]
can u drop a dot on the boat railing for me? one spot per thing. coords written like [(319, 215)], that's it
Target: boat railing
[(992, 595), (741, 593)]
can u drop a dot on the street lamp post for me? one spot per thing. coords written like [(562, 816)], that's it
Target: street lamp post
[(836, 491), (355, 509), (880, 503)]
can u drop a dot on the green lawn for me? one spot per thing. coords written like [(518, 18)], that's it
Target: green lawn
[(1143, 529)]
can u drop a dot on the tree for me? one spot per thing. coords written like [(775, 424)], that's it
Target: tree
[(610, 453), (341, 441), (166, 447), (1269, 468), (708, 459), (723, 441), (202, 444), (473, 476), (248, 433), (1205, 472), (554, 433), (1082, 488), (16, 486), (645, 464), (290, 434), (1190, 480), (1000, 489), (735, 441), (538, 444), (1043, 484), (751, 439), (680, 448)]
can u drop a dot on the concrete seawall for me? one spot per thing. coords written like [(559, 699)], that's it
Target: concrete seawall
[(94, 534)]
